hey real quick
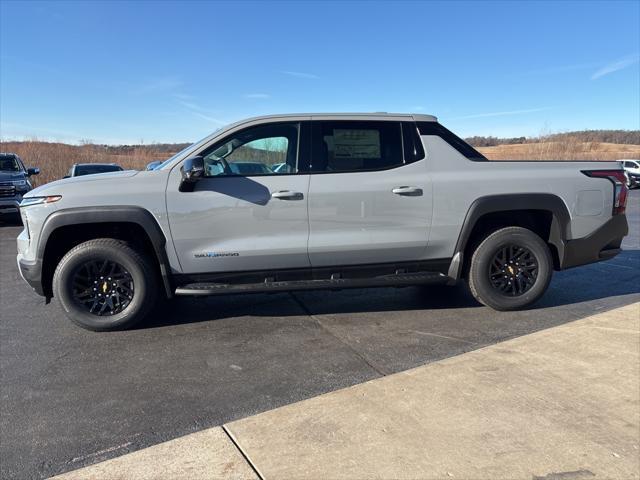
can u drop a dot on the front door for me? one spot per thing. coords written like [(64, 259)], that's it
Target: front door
[(250, 211), (369, 193)]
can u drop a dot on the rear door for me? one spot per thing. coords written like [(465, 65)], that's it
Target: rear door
[(369, 193)]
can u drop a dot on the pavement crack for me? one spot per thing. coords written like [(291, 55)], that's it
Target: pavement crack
[(100, 452), (313, 317), (242, 452), (441, 336)]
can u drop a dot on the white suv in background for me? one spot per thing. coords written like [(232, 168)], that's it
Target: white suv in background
[(632, 170)]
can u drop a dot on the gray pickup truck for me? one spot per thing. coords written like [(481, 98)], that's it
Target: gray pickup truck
[(14, 182), (356, 200)]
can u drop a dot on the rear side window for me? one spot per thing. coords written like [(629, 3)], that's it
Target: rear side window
[(434, 128), (353, 146)]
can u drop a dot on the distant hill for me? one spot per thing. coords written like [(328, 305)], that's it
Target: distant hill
[(158, 148), (623, 137)]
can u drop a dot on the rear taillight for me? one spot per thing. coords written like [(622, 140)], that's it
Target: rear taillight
[(620, 189)]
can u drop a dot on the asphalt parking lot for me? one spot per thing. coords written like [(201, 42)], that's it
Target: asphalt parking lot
[(70, 397)]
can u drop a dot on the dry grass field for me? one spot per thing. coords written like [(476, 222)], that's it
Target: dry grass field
[(54, 159), (567, 150)]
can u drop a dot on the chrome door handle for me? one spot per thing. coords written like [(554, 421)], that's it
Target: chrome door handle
[(287, 195), (407, 191)]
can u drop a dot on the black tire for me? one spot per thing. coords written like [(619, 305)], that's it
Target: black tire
[(522, 283), (134, 299)]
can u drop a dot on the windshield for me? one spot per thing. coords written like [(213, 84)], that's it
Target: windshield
[(9, 163)]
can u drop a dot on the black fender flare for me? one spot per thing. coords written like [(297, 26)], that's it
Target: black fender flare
[(111, 214), (559, 233)]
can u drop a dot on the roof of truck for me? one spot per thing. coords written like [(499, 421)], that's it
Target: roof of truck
[(381, 116), (349, 115)]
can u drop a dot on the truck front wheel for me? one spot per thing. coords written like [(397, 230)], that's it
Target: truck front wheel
[(104, 284), (510, 269)]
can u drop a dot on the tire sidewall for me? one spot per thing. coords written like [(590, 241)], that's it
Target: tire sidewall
[(481, 262), (63, 280)]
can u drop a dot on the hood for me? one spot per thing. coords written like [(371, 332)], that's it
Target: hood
[(6, 176), (53, 187)]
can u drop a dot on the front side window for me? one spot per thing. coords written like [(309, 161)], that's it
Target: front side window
[(351, 146), (263, 150)]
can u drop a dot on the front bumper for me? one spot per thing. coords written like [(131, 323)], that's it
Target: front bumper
[(32, 274), (10, 204), (602, 244)]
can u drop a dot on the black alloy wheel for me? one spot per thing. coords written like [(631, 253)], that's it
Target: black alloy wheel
[(103, 287), (513, 270)]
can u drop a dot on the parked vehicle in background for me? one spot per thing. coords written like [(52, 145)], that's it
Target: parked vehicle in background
[(14, 182), (238, 168), (632, 169), (367, 200), (79, 169)]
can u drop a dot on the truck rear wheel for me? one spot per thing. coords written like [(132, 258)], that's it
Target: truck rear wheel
[(104, 284), (510, 269)]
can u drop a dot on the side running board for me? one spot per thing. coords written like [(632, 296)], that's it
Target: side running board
[(401, 279)]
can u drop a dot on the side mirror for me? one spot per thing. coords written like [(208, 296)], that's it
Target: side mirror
[(192, 170), (33, 171), (153, 165)]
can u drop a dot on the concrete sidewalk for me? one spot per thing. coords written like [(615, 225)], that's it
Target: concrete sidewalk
[(563, 403)]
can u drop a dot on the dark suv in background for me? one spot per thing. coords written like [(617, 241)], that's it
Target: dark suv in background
[(80, 169), (14, 182)]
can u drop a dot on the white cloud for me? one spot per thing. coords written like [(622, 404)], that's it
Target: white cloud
[(201, 112), (157, 85), (560, 69), (501, 114), (616, 66), (300, 74), (19, 132), (258, 96), (191, 106), (183, 96), (208, 118)]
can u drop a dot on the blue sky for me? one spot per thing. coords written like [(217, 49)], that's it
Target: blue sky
[(125, 72)]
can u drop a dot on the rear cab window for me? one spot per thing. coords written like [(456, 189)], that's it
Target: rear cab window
[(434, 128)]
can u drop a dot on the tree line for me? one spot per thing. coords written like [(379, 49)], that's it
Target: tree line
[(625, 137)]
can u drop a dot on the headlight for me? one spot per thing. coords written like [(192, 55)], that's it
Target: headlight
[(29, 201)]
